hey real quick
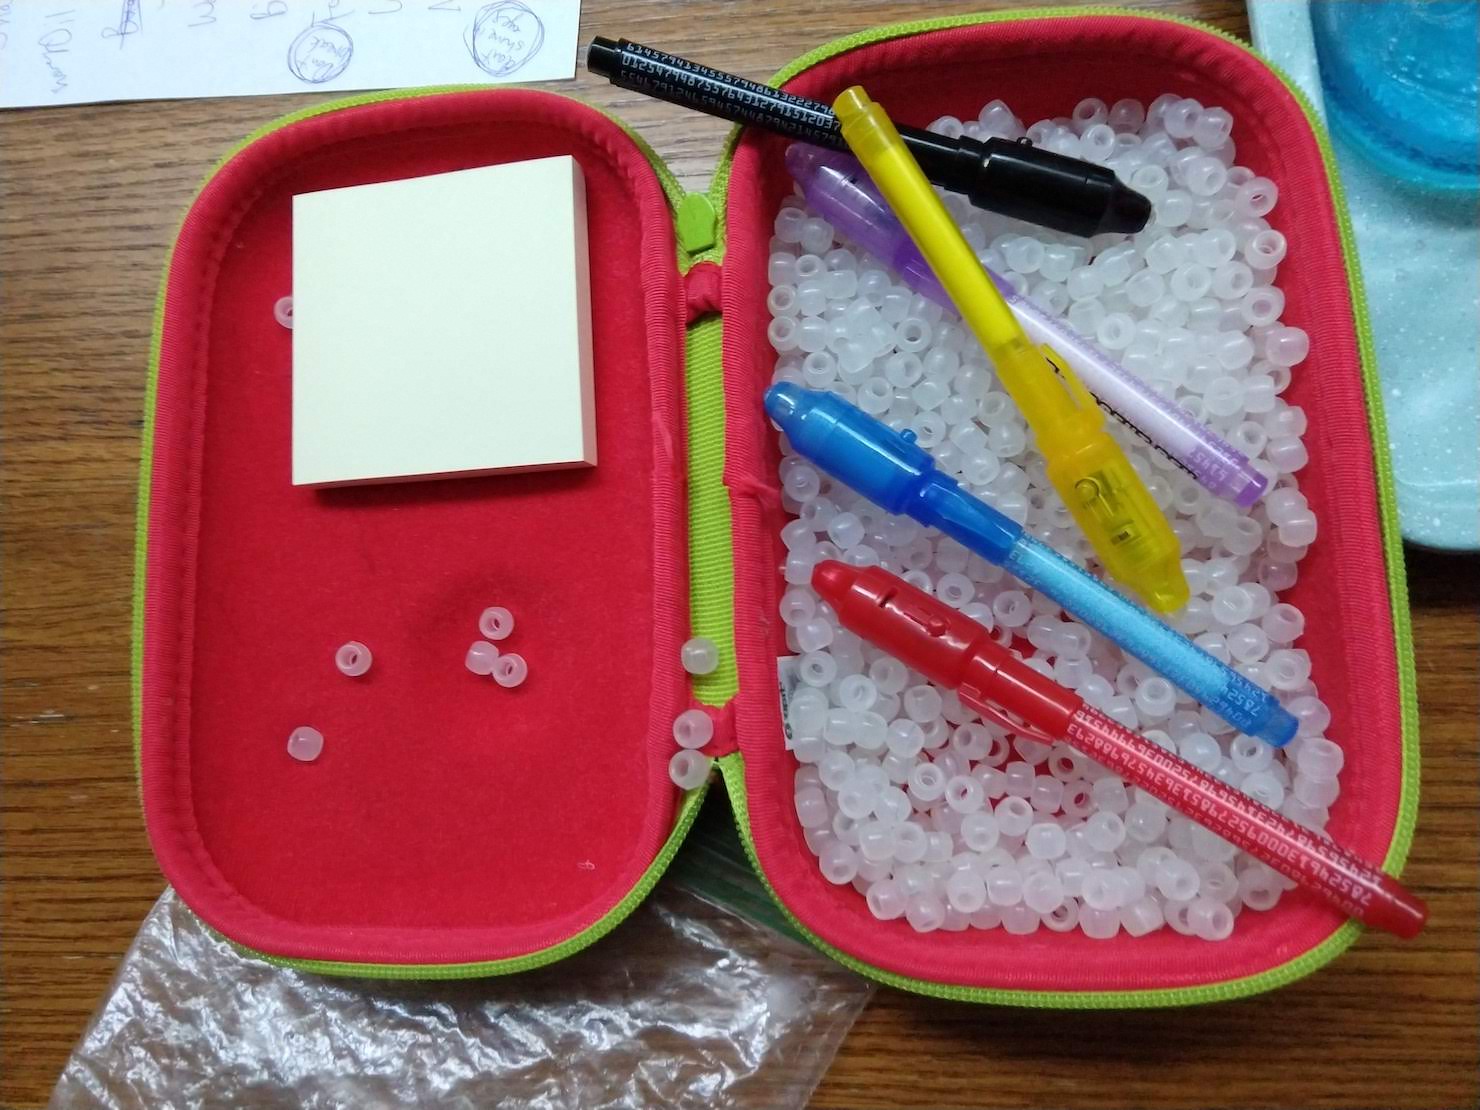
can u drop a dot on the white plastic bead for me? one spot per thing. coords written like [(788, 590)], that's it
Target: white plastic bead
[(838, 862), (1211, 128), (812, 808), (1180, 118), (1315, 792), (1265, 249), (1286, 346), (496, 623), (1126, 115), (1141, 917), (688, 769), (1099, 924), (700, 656), (885, 900), (1262, 786), (1178, 879), (305, 744), (510, 670), (1259, 889), (979, 831), (814, 635), (481, 657), (693, 728), (1232, 605), (925, 912), (965, 891), (1319, 759), (1210, 919), (352, 659), (1014, 815), (1046, 840), (1206, 177), (1256, 197), (1104, 832)]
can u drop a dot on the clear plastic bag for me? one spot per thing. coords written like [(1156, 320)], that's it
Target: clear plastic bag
[(687, 1004)]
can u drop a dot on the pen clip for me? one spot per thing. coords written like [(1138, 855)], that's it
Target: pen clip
[(999, 716), (1082, 397)]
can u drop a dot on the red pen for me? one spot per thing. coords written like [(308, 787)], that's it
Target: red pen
[(956, 652)]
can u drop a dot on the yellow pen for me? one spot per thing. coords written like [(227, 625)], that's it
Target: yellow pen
[(1090, 471)]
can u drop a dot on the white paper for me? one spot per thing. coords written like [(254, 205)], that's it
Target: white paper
[(442, 326), (81, 51)]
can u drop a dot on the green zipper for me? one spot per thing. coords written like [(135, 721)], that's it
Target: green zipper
[(688, 810), (1342, 938)]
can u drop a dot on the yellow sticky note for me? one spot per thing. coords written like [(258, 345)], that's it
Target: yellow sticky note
[(441, 326)]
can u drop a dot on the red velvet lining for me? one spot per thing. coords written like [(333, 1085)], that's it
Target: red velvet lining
[(1043, 68), (448, 820)]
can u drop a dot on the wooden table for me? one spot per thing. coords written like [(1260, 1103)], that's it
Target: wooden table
[(92, 197)]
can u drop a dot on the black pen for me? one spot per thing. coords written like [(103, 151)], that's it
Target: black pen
[(999, 175)]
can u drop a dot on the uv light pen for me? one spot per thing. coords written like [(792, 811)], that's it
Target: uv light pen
[(1014, 178)]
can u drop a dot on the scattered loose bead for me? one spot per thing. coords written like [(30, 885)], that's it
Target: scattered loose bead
[(352, 659), (481, 657), (510, 670), (693, 728), (688, 770), (496, 623), (282, 311), (700, 656)]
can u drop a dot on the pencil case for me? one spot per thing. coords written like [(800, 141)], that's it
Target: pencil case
[(455, 829)]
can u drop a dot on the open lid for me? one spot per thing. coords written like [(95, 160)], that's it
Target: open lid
[(448, 821)]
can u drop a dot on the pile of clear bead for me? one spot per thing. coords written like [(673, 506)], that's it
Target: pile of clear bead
[(939, 819)]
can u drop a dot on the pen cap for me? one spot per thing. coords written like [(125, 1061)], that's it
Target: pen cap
[(967, 519), (1114, 509), (869, 131), (1054, 190), (909, 624), (603, 56), (943, 644), (1107, 498), (886, 466), (893, 170), (1016, 178)]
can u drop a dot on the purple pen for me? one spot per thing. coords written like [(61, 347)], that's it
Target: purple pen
[(838, 190)]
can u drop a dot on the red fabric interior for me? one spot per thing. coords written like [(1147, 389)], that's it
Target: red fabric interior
[(448, 820), (1043, 68)]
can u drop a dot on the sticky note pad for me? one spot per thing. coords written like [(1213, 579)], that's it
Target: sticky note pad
[(441, 326)]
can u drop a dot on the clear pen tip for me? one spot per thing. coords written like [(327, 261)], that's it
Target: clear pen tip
[(783, 400)]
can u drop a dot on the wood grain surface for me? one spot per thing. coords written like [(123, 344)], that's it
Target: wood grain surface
[(91, 199)]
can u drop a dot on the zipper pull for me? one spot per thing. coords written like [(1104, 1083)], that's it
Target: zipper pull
[(695, 222)]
